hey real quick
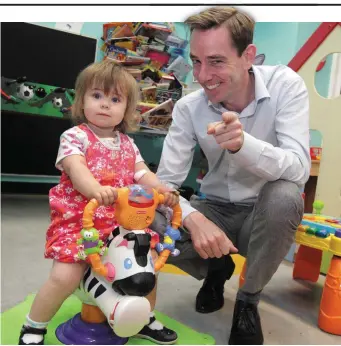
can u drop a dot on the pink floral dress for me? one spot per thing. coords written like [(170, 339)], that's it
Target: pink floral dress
[(112, 162)]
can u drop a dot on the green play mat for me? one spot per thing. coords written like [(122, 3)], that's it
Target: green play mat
[(11, 322)]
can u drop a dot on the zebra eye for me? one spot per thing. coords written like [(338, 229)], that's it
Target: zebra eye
[(128, 263)]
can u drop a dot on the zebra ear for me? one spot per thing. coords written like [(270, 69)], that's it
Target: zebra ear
[(115, 232)]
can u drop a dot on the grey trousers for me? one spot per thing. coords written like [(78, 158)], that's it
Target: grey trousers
[(262, 232)]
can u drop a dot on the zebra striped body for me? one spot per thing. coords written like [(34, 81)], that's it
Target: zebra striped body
[(123, 301)]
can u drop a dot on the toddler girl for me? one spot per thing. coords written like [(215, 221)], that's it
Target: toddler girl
[(95, 157)]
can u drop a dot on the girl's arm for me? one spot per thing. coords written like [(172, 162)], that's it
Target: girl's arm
[(144, 176), (84, 182), (82, 179)]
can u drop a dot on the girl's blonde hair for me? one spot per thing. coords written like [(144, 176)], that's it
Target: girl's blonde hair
[(107, 75)]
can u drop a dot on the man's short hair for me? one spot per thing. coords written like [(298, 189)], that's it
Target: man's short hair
[(239, 24)]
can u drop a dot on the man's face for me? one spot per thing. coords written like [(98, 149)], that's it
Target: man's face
[(216, 64)]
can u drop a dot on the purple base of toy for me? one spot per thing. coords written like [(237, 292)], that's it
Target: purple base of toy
[(77, 332)]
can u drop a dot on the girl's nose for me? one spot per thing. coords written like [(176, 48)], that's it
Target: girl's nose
[(104, 105)]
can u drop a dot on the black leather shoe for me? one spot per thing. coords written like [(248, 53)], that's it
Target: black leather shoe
[(31, 330), (211, 295), (246, 326), (164, 336)]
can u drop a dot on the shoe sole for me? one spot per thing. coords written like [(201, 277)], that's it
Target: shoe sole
[(209, 311), (141, 336), (246, 341)]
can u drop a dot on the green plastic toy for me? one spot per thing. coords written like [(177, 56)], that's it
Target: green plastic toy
[(318, 207), (91, 242)]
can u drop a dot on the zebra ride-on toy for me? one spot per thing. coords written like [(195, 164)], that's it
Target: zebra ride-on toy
[(122, 272)]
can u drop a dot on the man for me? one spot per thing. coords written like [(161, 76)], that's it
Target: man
[(252, 123)]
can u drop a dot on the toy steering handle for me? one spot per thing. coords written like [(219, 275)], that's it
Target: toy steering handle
[(175, 222), (88, 223), (94, 258), (88, 213)]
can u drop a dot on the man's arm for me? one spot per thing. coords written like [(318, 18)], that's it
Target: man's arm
[(177, 154), (176, 160), (291, 159)]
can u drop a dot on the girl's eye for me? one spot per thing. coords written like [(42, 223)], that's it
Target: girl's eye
[(115, 99), (96, 95)]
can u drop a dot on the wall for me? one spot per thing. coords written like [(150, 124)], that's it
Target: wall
[(325, 117), (323, 76)]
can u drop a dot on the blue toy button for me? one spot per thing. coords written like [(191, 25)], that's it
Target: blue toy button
[(322, 233)]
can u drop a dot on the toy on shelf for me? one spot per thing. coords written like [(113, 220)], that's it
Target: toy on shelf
[(155, 57), (20, 95), (315, 153), (114, 287)]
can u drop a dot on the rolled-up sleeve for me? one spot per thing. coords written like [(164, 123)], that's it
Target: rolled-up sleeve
[(177, 153), (290, 160)]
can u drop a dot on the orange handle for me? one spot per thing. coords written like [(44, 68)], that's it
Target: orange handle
[(97, 265), (88, 214), (177, 216), (88, 223), (176, 222), (177, 212), (162, 259)]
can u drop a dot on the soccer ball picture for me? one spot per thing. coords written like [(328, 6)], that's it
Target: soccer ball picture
[(57, 102), (25, 92)]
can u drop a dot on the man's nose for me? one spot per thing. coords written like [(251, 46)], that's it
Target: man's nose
[(204, 74)]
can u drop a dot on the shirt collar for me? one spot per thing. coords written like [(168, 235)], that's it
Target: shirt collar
[(261, 91)]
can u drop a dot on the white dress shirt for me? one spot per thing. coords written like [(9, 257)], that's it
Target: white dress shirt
[(276, 140)]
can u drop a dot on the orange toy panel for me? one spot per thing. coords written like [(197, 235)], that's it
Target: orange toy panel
[(135, 206)]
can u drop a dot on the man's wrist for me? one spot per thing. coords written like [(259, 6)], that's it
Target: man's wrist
[(192, 220), (236, 151)]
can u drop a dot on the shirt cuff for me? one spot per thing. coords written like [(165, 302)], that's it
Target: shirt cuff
[(186, 208), (249, 153)]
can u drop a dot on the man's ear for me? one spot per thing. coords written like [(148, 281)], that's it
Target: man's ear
[(249, 55)]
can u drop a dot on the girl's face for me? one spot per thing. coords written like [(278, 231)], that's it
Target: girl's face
[(104, 111)]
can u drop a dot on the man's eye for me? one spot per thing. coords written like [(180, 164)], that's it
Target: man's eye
[(115, 99), (194, 62), (215, 62)]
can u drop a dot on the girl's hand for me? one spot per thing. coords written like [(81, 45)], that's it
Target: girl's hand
[(105, 195), (171, 195)]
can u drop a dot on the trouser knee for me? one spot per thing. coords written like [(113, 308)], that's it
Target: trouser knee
[(281, 203)]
